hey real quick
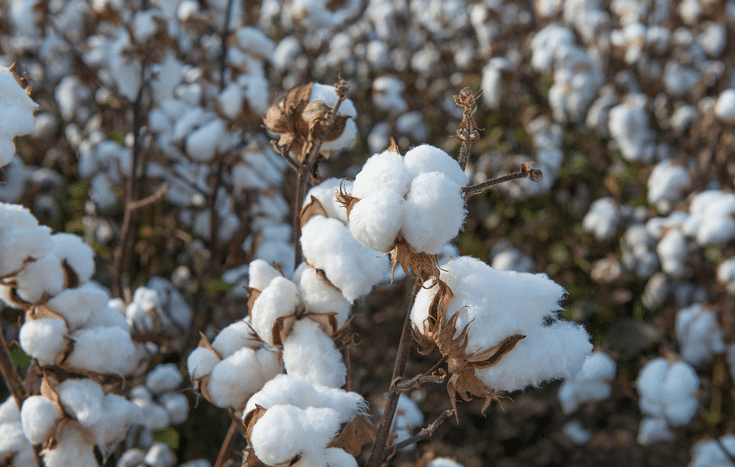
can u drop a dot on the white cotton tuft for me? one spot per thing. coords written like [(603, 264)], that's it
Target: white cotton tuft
[(15, 450), (39, 417), (325, 193), (285, 431), (434, 212), (261, 274), (709, 453), (234, 337), (71, 449), (240, 375), (319, 296), (602, 219), (82, 399), (349, 265), (44, 276), (201, 362), (376, 219), (653, 430), (118, 415), (163, 378), (78, 304), (383, 171), (9, 411), (177, 406), (280, 299), (202, 144), (20, 243), (43, 339), (592, 383), (160, 455), (668, 391), (426, 158), (107, 350), (77, 254), (310, 354), (699, 334), (667, 184)]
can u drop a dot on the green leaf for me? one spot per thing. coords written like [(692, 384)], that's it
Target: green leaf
[(168, 436)]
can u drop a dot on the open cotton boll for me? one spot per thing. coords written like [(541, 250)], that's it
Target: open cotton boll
[(201, 362), (82, 399), (285, 431), (444, 462), (287, 389), (709, 453), (699, 334), (43, 339), (350, 266), (164, 378), (434, 212), (160, 455), (725, 107), (77, 254), (155, 415), (592, 383), (234, 337), (312, 355), (650, 386), (339, 458), (9, 411), (426, 158), (319, 296), (376, 219), (118, 415), (673, 251), (106, 350), (653, 430), (679, 393), (238, 376), (15, 450), (281, 298), (381, 172), (176, 311), (602, 219), (667, 184), (71, 449), (77, 305), (15, 216), (44, 276), (38, 417), (325, 193), (726, 274), (203, 143), (261, 274), (20, 243), (177, 406), (108, 316)]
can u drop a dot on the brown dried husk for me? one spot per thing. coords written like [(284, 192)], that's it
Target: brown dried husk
[(356, 433), (414, 264), (313, 208)]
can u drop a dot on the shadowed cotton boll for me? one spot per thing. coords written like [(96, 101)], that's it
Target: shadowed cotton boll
[(310, 354), (699, 334), (709, 452), (668, 391), (591, 384), (602, 219)]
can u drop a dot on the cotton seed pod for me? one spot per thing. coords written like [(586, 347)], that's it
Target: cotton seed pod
[(312, 355), (376, 219), (227, 385), (39, 417), (44, 339)]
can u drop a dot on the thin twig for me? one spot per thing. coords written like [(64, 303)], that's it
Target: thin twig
[(223, 56), (426, 378), (526, 171), (377, 456), (227, 445), (11, 376), (150, 199), (467, 132), (728, 454), (425, 433)]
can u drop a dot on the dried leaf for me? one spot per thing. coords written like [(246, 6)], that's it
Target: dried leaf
[(393, 146), (48, 391), (249, 421), (71, 279), (346, 199), (253, 295), (204, 342), (314, 208), (421, 265), (357, 432)]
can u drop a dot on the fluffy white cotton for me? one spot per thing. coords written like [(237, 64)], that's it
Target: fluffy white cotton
[(108, 316), (673, 250), (387, 94), (78, 304), (667, 184), (726, 274), (711, 219), (602, 219), (699, 334), (118, 415), (575, 431), (434, 212), (82, 399), (383, 171), (43, 339), (38, 417), (201, 362), (668, 391), (177, 406), (498, 304), (17, 244), (44, 276), (160, 455), (176, 314), (9, 411), (628, 124), (261, 274), (234, 337), (279, 299), (376, 219), (426, 158), (310, 354), (653, 430), (292, 390), (240, 375), (350, 266), (71, 449), (325, 193), (725, 107), (103, 350), (319, 296), (591, 384), (77, 254), (16, 114), (286, 431), (203, 143), (408, 417), (326, 94), (708, 453), (163, 378), (444, 462)]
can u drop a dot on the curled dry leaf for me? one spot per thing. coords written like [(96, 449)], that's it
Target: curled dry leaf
[(249, 421), (439, 333), (314, 208), (356, 433), (346, 199), (393, 147)]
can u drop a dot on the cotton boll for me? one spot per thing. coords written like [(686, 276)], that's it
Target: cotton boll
[(118, 415), (325, 193), (39, 417), (650, 386), (699, 334), (512, 259), (726, 274), (77, 305), (339, 458), (201, 362), (235, 336), (434, 212), (310, 354), (82, 399), (667, 184), (376, 219), (155, 415), (44, 276), (592, 383), (202, 144), (426, 158), (575, 431), (349, 265), (71, 449), (673, 251), (381, 172), (107, 350), (160, 455), (43, 339), (321, 297), (387, 94), (679, 390), (177, 406), (654, 430), (9, 411), (709, 453), (133, 457), (228, 384), (261, 274), (106, 317), (15, 450), (602, 219), (628, 124), (285, 431), (163, 378), (408, 417), (725, 108), (20, 243), (280, 299)]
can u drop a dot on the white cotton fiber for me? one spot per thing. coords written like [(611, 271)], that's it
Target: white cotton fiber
[(43, 339), (15, 450), (261, 274), (709, 453), (653, 430), (383, 171), (699, 334), (77, 305), (107, 350), (42, 277), (15, 216), (38, 417), (108, 316), (9, 411), (163, 378), (155, 415), (319, 296), (312, 355), (201, 362), (280, 299), (160, 455), (177, 406), (82, 399), (325, 193), (77, 254), (592, 383), (19, 244), (118, 415), (602, 219), (434, 212), (237, 377), (667, 184), (285, 431), (426, 158), (234, 337), (679, 390), (349, 265), (376, 219), (201, 145), (71, 449)]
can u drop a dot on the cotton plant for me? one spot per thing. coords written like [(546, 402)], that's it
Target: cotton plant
[(602, 219), (591, 384), (699, 334), (714, 452)]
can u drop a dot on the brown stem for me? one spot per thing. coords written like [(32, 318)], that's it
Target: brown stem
[(526, 171), (227, 445), (425, 433), (467, 132), (377, 456), (417, 381), (223, 55), (8, 370), (728, 454)]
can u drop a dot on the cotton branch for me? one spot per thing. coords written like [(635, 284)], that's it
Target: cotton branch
[(467, 132), (425, 433), (9, 373), (525, 171)]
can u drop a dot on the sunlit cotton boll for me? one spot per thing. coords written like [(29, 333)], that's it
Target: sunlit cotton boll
[(668, 391), (234, 337), (383, 171), (43, 339), (163, 378), (107, 350), (312, 355), (591, 384), (71, 449), (38, 417), (228, 386), (426, 158), (319, 296), (376, 219), (279, 299)]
